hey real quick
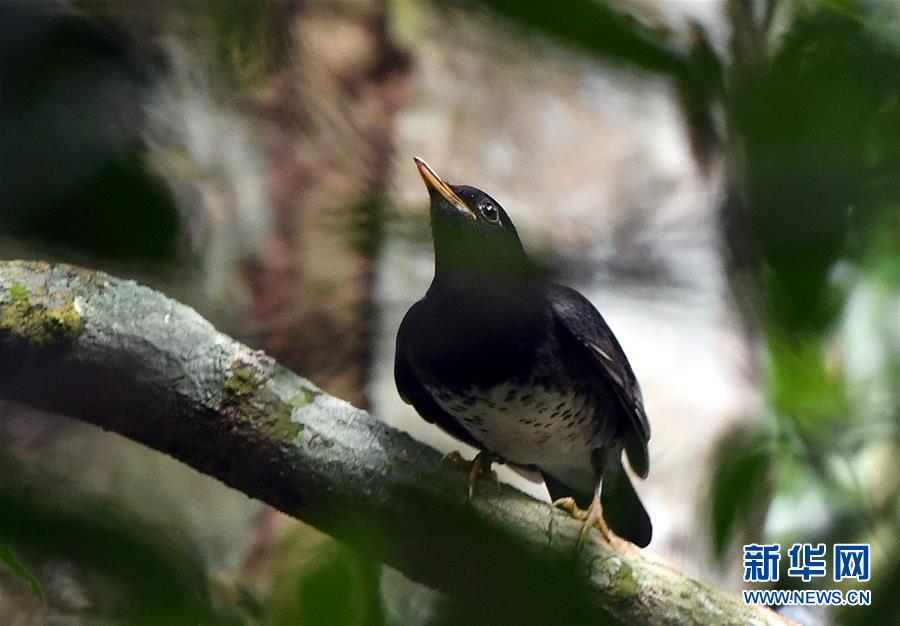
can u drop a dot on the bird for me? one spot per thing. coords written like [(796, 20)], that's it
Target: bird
[(523, 369)]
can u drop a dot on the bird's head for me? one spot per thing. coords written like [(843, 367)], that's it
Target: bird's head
[(472, 232)]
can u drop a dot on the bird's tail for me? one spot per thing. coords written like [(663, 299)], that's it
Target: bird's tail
[(622, 508)]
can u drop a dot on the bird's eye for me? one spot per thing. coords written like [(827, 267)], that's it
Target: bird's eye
[(489, 211)]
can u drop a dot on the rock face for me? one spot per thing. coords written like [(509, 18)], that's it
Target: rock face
[(594, 165)]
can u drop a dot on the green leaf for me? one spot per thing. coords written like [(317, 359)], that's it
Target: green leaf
[(597, 29), (741, 486), (7, 556)]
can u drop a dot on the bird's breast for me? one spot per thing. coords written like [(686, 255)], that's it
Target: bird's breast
[(527, 422)]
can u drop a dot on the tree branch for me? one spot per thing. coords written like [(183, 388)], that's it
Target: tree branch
[(130, 360)]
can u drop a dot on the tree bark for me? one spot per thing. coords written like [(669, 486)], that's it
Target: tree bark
[(131, 360)]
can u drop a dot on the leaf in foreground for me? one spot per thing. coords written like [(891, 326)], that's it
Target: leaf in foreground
[(7, 556)]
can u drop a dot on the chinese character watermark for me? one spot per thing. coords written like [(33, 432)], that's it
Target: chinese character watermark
[(761, 562), (807, 561), (851, 561)]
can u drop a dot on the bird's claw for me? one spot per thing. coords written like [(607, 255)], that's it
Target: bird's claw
[(591, 518), (477, 467)]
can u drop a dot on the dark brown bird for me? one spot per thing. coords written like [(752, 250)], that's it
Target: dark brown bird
[(523, 369)]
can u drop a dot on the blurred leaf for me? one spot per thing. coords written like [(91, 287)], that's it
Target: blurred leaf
[(145, 573), (801, 388), (120, 211), (885, 607), (741, 486), (595, 28), (7, 556), (807, 118), (817, 124), (318, 581), (73, 173)]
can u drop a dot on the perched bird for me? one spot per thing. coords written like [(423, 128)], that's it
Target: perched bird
[(523, 369)]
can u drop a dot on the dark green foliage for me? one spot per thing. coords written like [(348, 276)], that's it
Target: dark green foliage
[(324, 583), (119, 211), (596, 28), (147, 575), (741, 487), (885, 609), (808, 118), (72, 172), (324, 595), (818, 123), (7, 557)]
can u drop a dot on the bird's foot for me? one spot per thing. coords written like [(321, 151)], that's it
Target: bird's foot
[(477, 467), (591, 518)]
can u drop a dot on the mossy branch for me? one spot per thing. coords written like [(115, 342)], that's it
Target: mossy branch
[(130, 360)]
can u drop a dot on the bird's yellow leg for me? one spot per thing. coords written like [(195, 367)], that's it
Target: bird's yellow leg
[(593, 517), (478, 466)]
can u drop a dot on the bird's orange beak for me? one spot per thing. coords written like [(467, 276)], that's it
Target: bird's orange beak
[(434, 183)]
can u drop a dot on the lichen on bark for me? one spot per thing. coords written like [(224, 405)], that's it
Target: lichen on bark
[(24, 319), (243, 381), (246, 394)]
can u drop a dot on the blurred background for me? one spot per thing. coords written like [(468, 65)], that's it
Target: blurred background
[(720, 177)]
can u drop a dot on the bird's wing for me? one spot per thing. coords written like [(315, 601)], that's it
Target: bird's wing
[(413, 392), (578, 318)]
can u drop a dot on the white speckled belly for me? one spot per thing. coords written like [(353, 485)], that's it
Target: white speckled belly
[(546, 428)]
